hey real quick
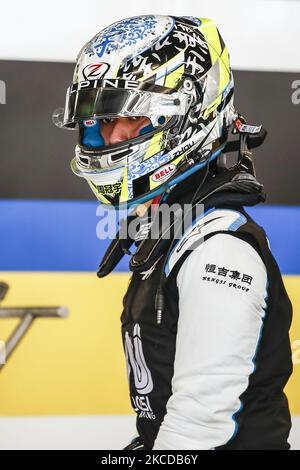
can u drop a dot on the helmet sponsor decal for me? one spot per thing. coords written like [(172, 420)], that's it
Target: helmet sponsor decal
[(136, 363), (247, 129), (90, 123), (163, 173), (105, 83), (184, 148), (114, 188), (95, 71)]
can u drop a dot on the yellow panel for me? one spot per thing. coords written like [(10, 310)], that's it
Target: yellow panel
[(292, 284), (67, 366), (76, 365)]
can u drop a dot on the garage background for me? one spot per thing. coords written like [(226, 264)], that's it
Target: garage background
[(65, 386)]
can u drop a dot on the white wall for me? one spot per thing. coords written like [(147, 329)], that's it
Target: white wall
[(84, 433), (261, 34)]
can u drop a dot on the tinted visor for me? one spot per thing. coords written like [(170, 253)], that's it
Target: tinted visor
[(98, 102)]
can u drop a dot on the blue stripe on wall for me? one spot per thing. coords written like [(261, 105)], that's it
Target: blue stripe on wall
[(40, 235), (61, 235)]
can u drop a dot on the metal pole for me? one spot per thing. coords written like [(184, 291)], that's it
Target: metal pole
[(27, 315), (18, 334), (54, 312)]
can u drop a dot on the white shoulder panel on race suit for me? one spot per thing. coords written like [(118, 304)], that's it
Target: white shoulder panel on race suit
[(213, 220), (222, 288)]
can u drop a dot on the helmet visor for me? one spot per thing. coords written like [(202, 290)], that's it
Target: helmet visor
[(99, 102)]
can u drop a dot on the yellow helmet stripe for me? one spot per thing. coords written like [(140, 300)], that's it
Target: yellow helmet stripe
[(211, 34), (154, 145), (225, 74), (124, 192), (172, 79)]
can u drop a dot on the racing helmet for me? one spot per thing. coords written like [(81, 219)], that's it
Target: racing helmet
[(175, 72)]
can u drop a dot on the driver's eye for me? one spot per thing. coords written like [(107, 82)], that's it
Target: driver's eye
[(107, 120)]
